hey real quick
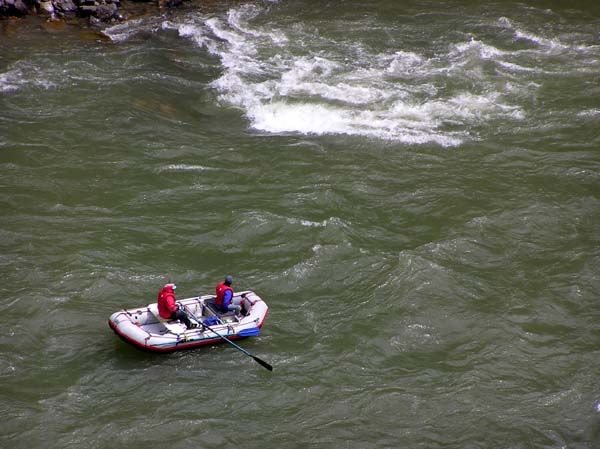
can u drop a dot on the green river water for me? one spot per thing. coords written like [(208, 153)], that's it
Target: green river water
[(413, 188)]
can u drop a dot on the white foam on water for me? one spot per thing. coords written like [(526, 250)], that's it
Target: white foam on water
[(512, 67), (305, 77), (405, 63), (185, 167), (279, 117), (540, 41), (411, 124), (124, 31), (238, 18), (476, 48), (285, 89), (289, 79), (564, 43), (589, 114), (8, 81), (24, 75), (292, 80), (332, 221), (484, 107), (505, 22)]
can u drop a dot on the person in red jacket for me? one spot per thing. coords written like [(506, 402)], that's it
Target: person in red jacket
[(168, 308), (224, 300)]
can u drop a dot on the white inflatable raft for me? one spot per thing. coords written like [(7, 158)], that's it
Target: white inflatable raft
[(144, 328)]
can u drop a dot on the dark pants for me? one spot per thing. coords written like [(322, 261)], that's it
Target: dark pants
[(181, 316)]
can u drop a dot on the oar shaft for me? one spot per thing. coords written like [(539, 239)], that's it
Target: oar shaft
[(226, 339), (256, 359)]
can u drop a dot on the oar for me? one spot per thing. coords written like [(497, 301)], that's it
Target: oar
[(256, 359)]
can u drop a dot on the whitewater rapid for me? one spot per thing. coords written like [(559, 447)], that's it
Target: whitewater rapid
[(288, 77)]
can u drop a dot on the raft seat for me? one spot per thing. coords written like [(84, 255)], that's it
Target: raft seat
[(227, 317), (173, 326)]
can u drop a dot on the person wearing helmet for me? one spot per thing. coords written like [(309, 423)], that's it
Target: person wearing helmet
[(224, 300), (168, 308)]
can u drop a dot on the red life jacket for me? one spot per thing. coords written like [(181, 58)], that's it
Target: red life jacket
[(221, 289), (166, 302)]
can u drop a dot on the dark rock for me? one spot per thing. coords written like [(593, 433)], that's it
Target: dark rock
[(88, 9), (106, 12), (13, 8), (20, 6), (100, 10), (169, 3), (65, 6)]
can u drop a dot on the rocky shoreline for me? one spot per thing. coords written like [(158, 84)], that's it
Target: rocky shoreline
[(96, 11)]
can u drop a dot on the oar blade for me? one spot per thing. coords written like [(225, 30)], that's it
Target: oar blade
[(262, 363)]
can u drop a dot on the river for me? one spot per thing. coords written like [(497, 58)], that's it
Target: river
[(412, 187)]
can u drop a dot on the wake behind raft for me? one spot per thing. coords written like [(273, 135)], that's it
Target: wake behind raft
[(145, 329)]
